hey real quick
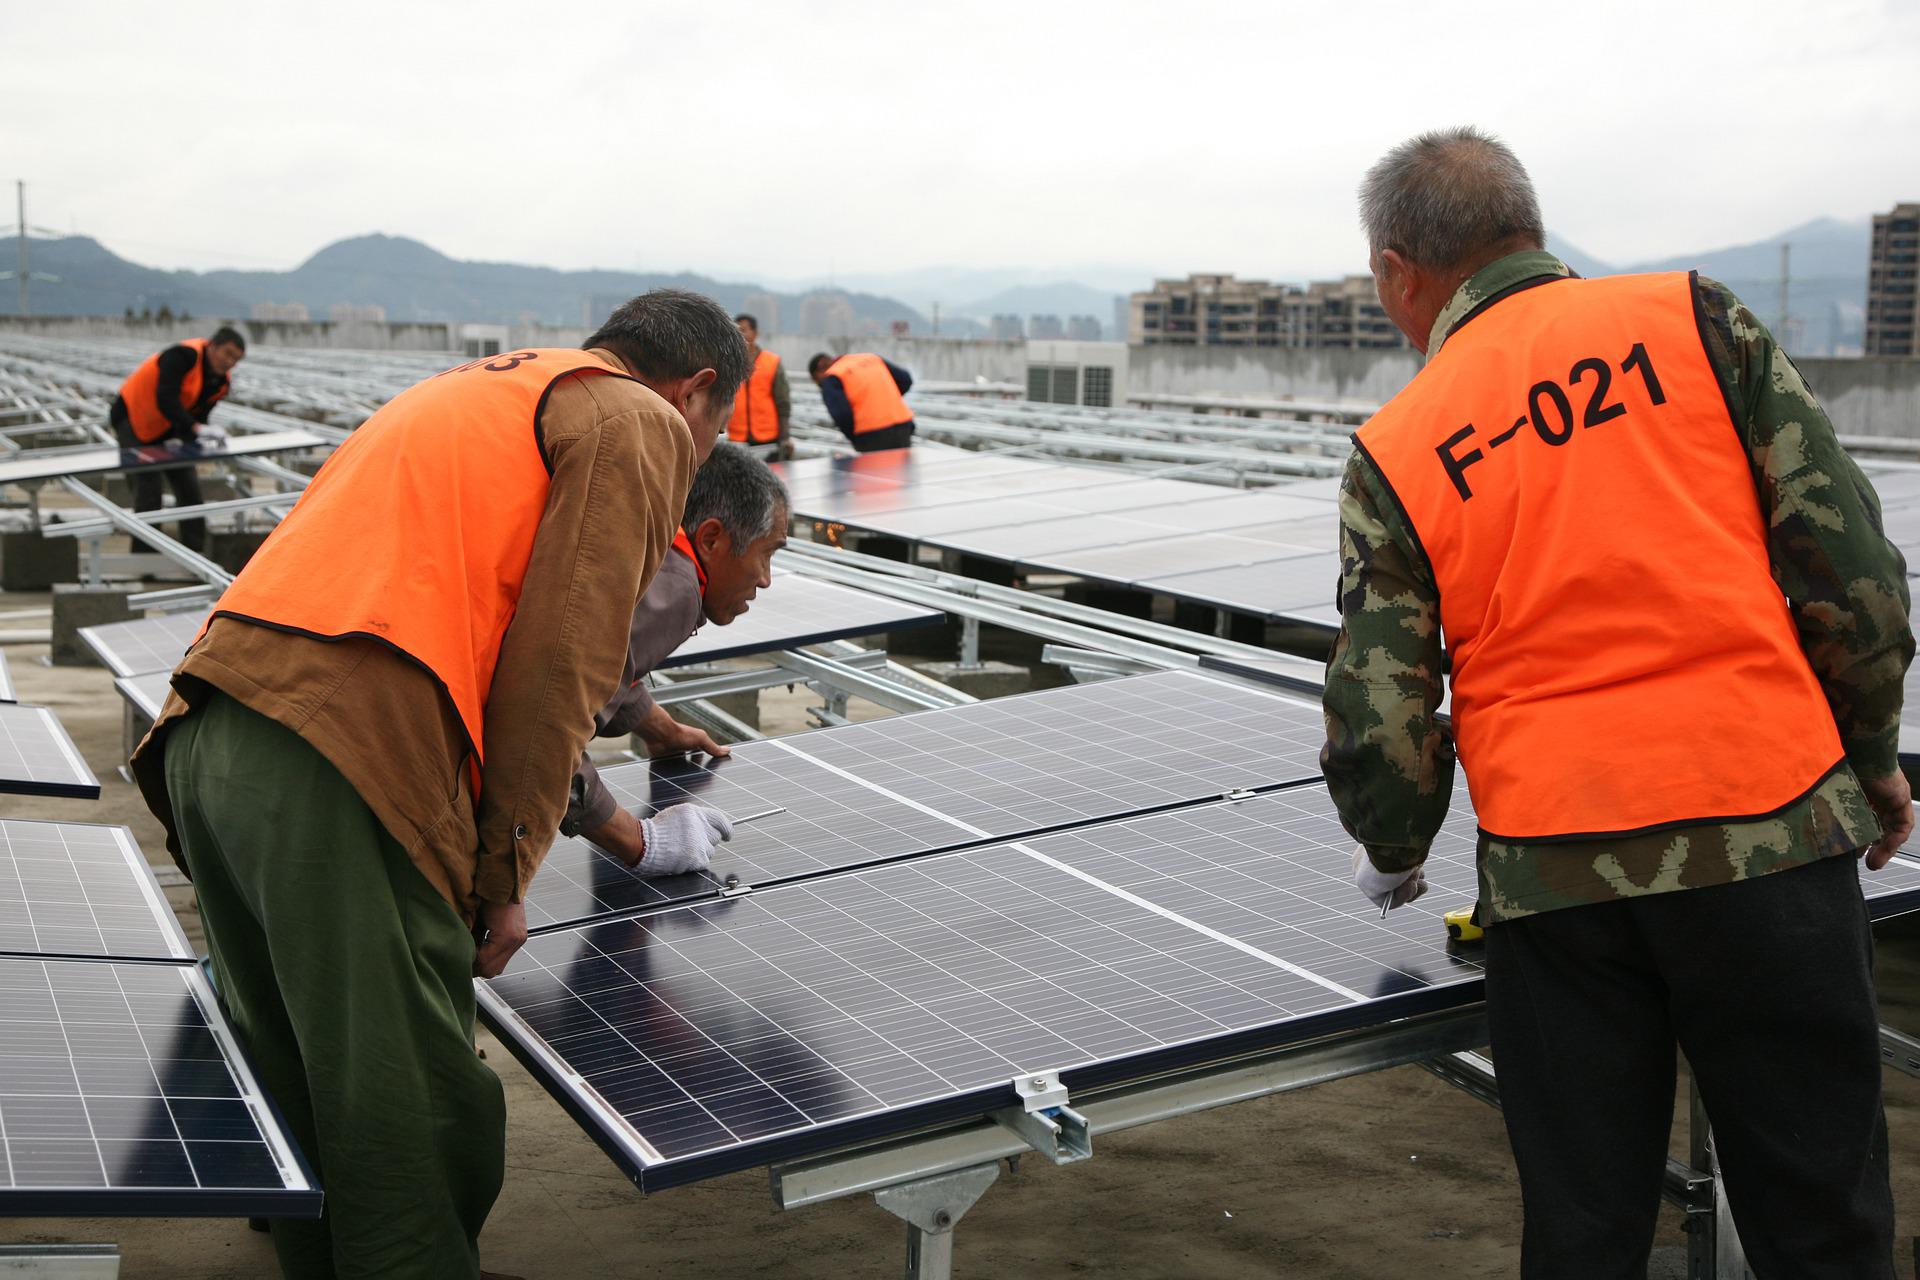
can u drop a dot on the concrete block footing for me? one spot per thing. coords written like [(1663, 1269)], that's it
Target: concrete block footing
[(76, 606)]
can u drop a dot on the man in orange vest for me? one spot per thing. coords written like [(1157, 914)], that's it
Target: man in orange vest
[(734, 523), (764, 405), (1676, 638), (365, 754), (865, 396), (165, 398)]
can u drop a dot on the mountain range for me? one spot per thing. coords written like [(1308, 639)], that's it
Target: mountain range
[(415, 282)]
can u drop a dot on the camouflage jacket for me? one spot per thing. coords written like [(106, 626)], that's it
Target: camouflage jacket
[(1389, 758)]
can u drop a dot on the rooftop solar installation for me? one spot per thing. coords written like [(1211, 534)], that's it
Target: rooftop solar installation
[(141, 645), (122, 1091), (147, 693), (940, 779), (51, 464), (37, 758), (80, 889), (797, 610)]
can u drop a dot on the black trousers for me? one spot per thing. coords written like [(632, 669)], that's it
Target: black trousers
[(899, 436), (186, 492), (1767, 985)]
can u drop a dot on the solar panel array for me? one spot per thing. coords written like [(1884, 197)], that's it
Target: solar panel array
[(718, 1035), (797, 610), (80, 889), (938, 779), (37, 758), (51, 464), (1270, 553)]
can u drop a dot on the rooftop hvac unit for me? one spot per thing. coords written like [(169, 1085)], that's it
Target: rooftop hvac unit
[(1092, 374)]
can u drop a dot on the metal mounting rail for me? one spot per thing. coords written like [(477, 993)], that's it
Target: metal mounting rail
[(192, 561)]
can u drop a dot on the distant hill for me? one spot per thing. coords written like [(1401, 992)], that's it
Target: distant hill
[(1828, 279), (413, 281)]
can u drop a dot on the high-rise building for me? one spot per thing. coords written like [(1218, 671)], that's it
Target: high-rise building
[(1083, 329), (1045, 326), (1893, 284), (357, 313), (289, 311), (826, 315), (1220, 310), (765, 309), (1007, 328)]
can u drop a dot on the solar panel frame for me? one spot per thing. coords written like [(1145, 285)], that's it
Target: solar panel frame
[(38, 758), (27, 467), (7, 692), (147, 693), (82, 890), (171, 1110)]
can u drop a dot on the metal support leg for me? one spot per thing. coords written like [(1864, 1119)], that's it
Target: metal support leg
[(932, 1208), (1713, 1245), (969, 644)]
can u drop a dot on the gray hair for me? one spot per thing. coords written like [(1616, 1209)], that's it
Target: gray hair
[(1445, 196), (740, 491), (672, 333)]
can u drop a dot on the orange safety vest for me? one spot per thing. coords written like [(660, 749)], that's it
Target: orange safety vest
[(684, 545), (871, 390), (755, 419), (418, 529), (140, 392), (1622, 658)]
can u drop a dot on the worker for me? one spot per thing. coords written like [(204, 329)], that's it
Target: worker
[(365, 754), (1677, 639), (763, 410), (735, 520), (167, 398), (864, 394)]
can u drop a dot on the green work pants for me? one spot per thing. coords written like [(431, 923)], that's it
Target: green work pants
[(349, 980)]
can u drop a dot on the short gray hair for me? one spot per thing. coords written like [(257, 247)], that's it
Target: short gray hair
[(740, 491), (1445, 196)]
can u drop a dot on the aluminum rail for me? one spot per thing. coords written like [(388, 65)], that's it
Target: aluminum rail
[(124, 520), (167, 515)]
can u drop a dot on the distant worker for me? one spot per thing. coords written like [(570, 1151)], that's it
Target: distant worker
[(865, 397), (736, 519), (365, 754), (764, 407), (167, 398), (1677, 638)]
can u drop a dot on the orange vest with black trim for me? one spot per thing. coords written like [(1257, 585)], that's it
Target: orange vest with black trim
[(756, 420), (1623, 661), (418, 530), (140, 391), (871, 390)]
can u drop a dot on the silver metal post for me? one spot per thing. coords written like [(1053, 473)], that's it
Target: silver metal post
[(932, 1208), (1713, 1247)]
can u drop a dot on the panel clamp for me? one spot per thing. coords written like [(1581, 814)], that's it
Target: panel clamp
[(1044, 1119), (1239, 793), (732, 888)]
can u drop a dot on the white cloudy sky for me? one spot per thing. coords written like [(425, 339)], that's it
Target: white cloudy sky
[(788, 140)]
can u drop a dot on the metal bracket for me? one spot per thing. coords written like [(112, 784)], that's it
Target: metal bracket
[(1045, 1121), (734, 889), (1899, 1051), (932, 1208)]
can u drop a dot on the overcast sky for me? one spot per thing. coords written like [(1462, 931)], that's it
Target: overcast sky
[(790, 140)]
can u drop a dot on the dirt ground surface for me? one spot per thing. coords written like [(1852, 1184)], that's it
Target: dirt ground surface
[(1387, 1175)]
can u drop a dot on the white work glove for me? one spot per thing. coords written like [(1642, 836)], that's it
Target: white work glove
[(209, 434), (1386, 889), (681, 839)]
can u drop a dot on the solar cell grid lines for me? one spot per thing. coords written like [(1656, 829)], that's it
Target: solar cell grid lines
[(939, 779), (122, 1093), (38, 758), (76, 889), (142, 645)]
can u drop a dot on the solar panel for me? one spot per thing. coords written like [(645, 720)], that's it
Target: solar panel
[(1247, 588), (141, 645), (717, 1036), (37, 758), (940, 779), (146, 694), (1159, 558), (931, 522), (1226, 509), (6, 682), (122, 1091), (1023, 543), (797, 610), (51, 465), (79, 889)]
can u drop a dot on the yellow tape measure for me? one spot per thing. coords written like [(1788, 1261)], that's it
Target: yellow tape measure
[(1460, 926)]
